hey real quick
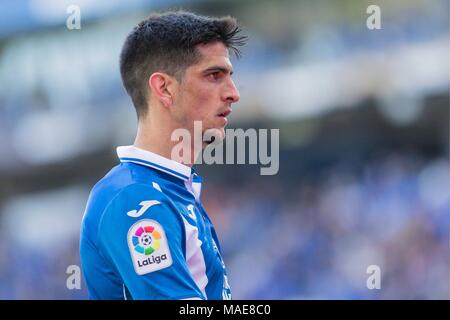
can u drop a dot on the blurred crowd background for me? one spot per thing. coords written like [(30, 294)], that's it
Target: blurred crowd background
[(364, 144)]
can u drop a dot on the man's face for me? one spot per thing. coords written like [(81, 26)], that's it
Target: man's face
[(206, 91)]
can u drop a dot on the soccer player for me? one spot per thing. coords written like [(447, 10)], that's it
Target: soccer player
[(145, 233)]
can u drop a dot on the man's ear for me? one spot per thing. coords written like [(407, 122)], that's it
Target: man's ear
[(161, 86)]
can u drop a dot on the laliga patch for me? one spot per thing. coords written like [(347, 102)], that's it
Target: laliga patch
[(148, 246)]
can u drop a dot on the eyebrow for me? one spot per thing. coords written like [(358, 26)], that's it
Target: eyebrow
[(218, 69)]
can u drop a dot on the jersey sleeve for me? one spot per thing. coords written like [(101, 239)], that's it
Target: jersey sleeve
[(142, 235)]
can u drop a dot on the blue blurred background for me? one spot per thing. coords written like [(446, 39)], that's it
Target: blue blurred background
[(364, 144)]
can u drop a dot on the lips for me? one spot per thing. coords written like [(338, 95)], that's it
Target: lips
[(225, 113)]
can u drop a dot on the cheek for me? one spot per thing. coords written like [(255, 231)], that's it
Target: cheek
[(201, 103)]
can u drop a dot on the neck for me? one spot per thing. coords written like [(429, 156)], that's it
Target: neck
[(155, 136)]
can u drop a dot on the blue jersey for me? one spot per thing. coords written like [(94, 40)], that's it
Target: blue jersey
[(145, 234)]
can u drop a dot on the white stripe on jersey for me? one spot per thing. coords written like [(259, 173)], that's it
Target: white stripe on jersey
[(194, 257)]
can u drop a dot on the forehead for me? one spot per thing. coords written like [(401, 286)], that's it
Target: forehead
[(213, 54)]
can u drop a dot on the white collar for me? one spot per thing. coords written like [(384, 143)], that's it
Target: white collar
[(153, 160)]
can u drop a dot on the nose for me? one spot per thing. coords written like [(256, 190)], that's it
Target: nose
[(232, 93)]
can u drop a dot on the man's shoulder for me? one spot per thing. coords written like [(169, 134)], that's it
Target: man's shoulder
[(124, 183), (122, 177)]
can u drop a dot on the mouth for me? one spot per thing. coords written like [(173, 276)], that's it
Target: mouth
[(225, 113)]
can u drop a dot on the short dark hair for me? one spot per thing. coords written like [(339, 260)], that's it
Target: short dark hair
[(166, 42)]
